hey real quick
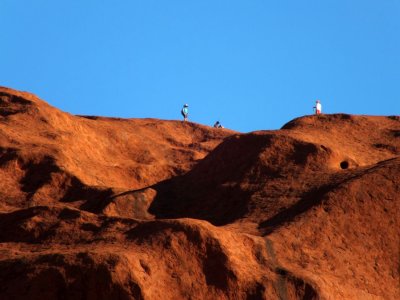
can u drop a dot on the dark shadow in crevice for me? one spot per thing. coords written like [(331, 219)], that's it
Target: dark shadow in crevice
[(11, 104), (178, 198), (7, 154), (38, 174), (308, 200), (344, 165)]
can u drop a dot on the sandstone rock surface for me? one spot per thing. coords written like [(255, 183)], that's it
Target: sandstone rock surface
[(108, 208)]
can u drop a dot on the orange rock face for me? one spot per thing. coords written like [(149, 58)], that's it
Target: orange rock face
[(108, 208)]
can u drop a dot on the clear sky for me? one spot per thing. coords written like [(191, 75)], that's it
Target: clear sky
[(252, 64)]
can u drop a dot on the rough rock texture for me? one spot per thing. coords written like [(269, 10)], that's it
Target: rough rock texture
[(107, 208)]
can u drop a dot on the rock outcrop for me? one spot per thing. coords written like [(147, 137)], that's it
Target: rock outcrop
[(108, 208)]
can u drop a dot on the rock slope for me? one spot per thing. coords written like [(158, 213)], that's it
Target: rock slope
[(108, 208)]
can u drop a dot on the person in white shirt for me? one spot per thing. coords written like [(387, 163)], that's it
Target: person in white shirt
[(318, 107)]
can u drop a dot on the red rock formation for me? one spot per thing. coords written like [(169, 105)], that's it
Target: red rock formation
[(107, 208)]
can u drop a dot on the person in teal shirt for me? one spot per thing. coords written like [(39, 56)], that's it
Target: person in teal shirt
[(185, 112)]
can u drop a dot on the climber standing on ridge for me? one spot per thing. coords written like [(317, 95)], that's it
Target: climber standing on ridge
[(185, 112), (318, 107)]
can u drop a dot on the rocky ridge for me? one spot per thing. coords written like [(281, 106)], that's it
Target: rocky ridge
[(107, 208)]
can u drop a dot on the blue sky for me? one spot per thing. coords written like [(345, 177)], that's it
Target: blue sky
[(252, 64)]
